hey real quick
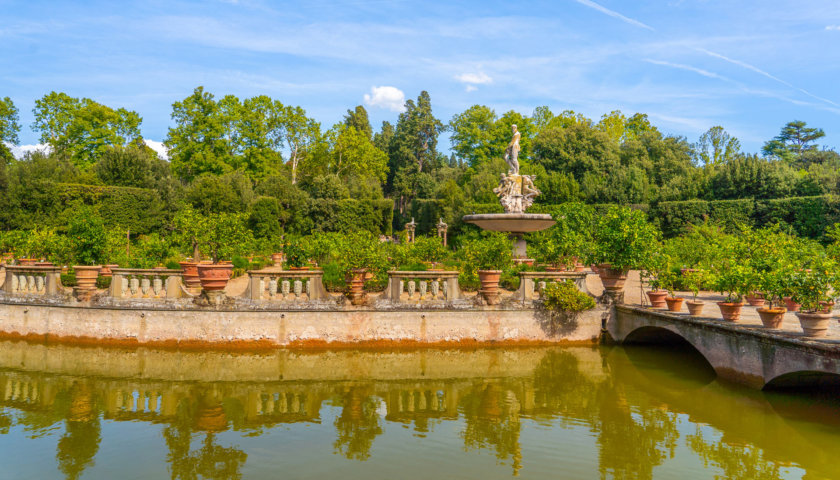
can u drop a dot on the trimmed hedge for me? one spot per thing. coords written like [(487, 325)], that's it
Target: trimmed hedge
[(348, 215), (138, 209)]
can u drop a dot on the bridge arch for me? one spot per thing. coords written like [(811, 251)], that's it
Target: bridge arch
[(805, 379), (669, 338)]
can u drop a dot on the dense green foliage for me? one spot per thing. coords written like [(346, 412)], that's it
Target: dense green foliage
[(566, 297)]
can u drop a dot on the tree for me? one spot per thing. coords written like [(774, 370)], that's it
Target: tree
[(613, 124), (353, 154), (9, 122), (716, 147), (794, 139), (301, 134), (415, 139), (132, 166), (258, 135), (358, 119), (471, 134), (83, 129), (200, 141)]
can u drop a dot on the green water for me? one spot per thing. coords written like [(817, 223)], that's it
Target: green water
[(585, 413)]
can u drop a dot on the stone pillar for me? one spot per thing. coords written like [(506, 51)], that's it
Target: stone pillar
[(410, 228), (173, 286)]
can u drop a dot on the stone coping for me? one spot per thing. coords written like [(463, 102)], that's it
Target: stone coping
[(269, 272), (530, 274), (831, 345), (146, 271), (32, 269), (511, 222), (423, 273)]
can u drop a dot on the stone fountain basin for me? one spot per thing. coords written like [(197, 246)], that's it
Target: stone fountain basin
[(511, 222)]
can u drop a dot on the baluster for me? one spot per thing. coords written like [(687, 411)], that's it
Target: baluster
[(272, 287), (134, 285), (423, 288), (39, 284), (284, 286), (145, 285), (298, 288), (435, 288), (411, 288)]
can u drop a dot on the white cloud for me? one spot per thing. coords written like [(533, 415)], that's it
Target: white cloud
[(479, 78), (20, 150), (158, 147), (471, 88), (614, 14), (391, 98), (832, 27)]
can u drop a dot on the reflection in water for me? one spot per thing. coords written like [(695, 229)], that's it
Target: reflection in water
[(644, 409)]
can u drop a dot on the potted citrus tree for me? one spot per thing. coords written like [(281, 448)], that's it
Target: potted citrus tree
[(488, 256), (773, 284), (359, 255), (695, 279), (623, 240), (655, 267), (732, 280), (87, 242), (811, 291)]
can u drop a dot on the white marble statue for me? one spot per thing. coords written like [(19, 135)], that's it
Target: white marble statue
[(512, 153)]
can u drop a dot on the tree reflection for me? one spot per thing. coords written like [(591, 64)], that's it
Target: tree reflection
[(82, 434), (738, 462), (358, 425), (492, 419), (206, 414)]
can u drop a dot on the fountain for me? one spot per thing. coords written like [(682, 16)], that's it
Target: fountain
[(516, 193)]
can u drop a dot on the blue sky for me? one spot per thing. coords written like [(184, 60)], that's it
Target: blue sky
[(750, 66)]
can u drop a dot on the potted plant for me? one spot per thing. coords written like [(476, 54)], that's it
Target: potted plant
[(189, 270), (668, 278), (773, 284), (695, 279), (732, 280), (811, 290), (296, 256), (654, 269), (359, 256), (623, 240), (87, 236), (488, 256)]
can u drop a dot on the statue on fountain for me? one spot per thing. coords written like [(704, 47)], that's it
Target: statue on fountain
[(516, 192)]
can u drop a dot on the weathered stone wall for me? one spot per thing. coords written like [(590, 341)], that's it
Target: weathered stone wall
[(199, 327)]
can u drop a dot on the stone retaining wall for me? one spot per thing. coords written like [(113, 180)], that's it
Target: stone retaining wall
[(249, 329)]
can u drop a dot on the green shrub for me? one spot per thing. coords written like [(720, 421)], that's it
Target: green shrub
[(240, 262), (103, 282), (565, 297), (333, 277), (68, 279)]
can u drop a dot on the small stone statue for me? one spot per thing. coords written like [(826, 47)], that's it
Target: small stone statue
[(441, 230), (410, 228)]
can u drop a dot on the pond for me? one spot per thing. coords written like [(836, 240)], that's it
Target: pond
[(558, 412)]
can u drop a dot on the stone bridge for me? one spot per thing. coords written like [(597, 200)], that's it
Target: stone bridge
[(746, 354)]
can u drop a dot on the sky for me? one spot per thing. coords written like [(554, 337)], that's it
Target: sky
[(749, 66)]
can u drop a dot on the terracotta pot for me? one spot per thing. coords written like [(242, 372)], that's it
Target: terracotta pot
[(490, 285), (356, 280), (814, 324), (86, 276), (553, 269), (791, 305), (106, 270), (695, 308), (579, 267), (211, 418), (657, 298), (756, 299), (298, 268), (674, 303), (50, 264), (612, 278), (277, 259), (214, 277), (772, 317), (27, 262), (826, 307), (190, 272), (731, 312)]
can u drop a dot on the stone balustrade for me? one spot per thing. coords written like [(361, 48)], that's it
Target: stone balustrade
[(146, 283), (413, 287), (32, 280), (532, 283), (286, 285)]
